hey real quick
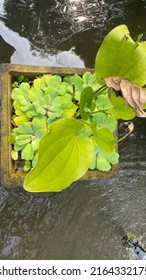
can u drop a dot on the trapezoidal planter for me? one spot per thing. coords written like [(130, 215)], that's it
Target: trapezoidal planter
[(10, 176)]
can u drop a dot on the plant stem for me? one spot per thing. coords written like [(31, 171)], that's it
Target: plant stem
[(85, 122), (73, 94), (99, 90), (95, 112)]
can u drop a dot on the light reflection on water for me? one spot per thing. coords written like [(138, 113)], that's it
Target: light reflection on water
[(70, 26), (76, 27), (87, 220), (25, 54)]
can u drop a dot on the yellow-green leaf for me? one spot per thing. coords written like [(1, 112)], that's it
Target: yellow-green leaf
[(64, 157), (120, 56)]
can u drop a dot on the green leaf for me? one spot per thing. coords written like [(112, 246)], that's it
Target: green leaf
[(20, 78), (26, 107), (63, 89), (14, 85), (70, 112), (39, 109), (66, 101), (11, 139), (27, 152), (55, 107), (104, 120), (31, 113), (110, 122), (14, 155), (112, 158), (16, 92), (39, 122), (27, 166), (39, 133), (75, 82), (92, 80), (98, 117), (103, 102), (19, 147), (102, 164), (104, 139), (25, 128), (92, 165), (52, 79), (64, 157), (25, 87), (86, 102), (120, 56), (89, 79), (35, 94), (54, 115), (35, 145), (119, 110), (35, 159), (22, 100), (22, 139), (85, 131)]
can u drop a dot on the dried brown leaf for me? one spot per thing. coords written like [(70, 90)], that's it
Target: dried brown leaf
[(113, 82), (133, 95), (130, 127)]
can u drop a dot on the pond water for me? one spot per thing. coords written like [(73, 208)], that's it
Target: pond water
[(87, 220)]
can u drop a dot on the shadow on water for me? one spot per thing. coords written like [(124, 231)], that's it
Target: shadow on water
[(87, 220)]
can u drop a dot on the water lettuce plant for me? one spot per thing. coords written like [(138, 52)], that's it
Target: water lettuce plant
[(52, 98), (64, 126)]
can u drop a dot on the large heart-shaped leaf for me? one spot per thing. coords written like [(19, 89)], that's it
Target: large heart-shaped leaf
[(120, 56), (64, 157)]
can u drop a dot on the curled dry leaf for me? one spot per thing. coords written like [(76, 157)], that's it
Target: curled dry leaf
[(130, 127), (133, 95)]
